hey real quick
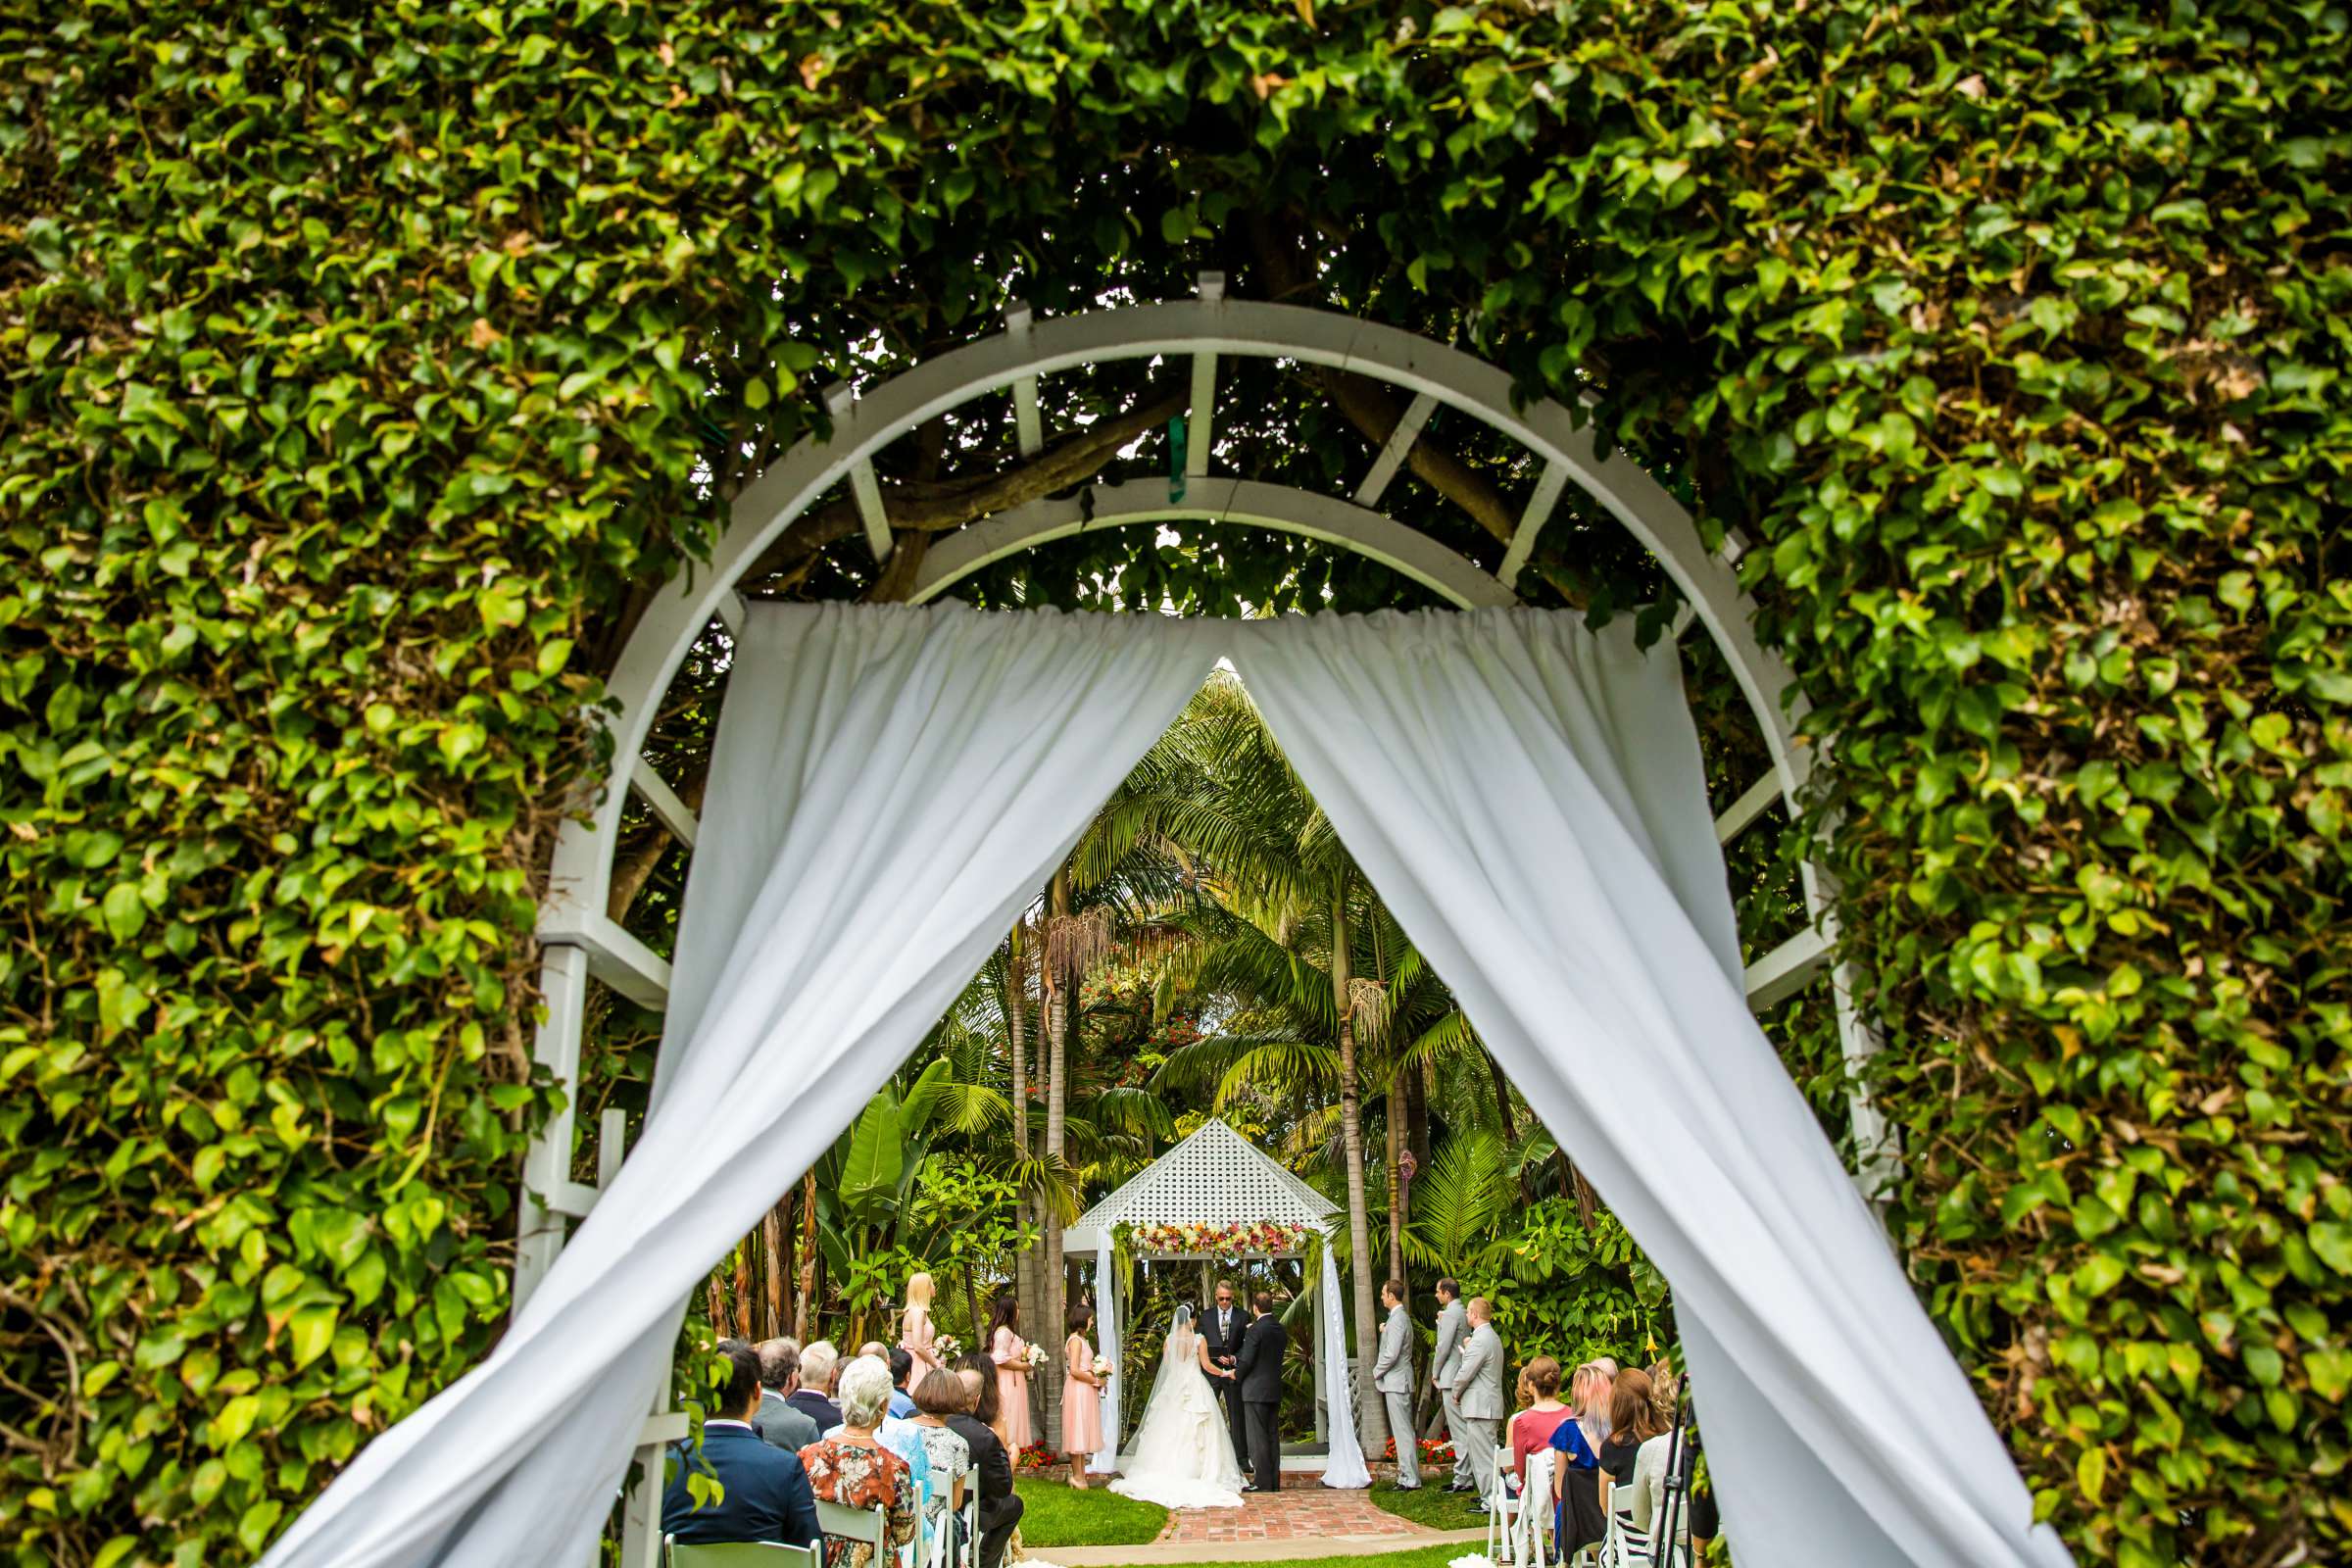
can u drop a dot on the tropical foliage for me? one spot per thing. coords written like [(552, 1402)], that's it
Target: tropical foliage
[(365, 368)]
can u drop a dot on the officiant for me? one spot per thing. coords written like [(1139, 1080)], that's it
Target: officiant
[(1225, 1324)]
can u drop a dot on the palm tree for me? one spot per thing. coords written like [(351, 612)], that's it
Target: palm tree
[(1287, 897)]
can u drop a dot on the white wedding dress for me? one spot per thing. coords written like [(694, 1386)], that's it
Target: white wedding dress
[(1183, 1455)]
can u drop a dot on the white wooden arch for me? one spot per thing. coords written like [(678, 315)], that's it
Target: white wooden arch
[(580, 941)]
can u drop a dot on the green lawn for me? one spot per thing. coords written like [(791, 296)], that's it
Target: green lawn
[(1432, 1506), (1418, 1557), (1058, 1514)]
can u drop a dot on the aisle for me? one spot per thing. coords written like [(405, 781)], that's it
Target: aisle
[(1266, 1527)]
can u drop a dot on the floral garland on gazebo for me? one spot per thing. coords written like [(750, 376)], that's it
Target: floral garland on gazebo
[(1226, 1244)]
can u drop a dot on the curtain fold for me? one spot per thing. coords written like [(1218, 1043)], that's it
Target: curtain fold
[(1343, 1466), (891, 786), (1108, 1306), (1529, 798)]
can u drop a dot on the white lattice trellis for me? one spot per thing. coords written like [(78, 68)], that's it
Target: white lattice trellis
[(1214, 1177)]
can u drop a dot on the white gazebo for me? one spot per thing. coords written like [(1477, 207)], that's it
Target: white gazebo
[(1216, 1180)]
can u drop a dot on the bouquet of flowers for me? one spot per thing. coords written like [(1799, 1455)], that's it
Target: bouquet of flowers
[(1101, 1366), (1033, 1357), (948, 1348)]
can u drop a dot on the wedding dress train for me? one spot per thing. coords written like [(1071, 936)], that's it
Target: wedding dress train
[(1183, 1455)]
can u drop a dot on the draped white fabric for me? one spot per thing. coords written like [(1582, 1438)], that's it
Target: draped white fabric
[(891, 786), (1343, 1466), (1107, 1308), (1528, 798)]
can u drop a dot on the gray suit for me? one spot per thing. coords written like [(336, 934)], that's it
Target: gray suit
[(1392, 1376), (1454, 1326), (1478, 1395), (783, 1426)]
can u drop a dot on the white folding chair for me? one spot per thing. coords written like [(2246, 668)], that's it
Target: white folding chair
[(737, 1554), (1533, 1522), (969, 1534), (1503, 1509), (868, 1525)]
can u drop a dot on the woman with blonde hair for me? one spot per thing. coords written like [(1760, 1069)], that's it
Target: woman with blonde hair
[(916, 1336)]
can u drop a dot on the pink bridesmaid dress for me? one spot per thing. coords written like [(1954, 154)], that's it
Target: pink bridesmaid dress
[(1081, 1407), (1012, 1388), (918, 1339)]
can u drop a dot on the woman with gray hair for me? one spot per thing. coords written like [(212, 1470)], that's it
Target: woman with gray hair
[(853, 1468)]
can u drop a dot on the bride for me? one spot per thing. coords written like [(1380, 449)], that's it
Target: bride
[(1183, 1455)]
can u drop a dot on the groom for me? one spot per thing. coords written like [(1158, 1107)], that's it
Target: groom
[(1222, 1328), (1259, 1369)]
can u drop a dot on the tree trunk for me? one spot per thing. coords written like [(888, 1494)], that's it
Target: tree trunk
[(1352, 1139), (803, 1301), (1395, 1155), (771, 1255), (1057, 986), (717, 1302), (1502, 1096), (1016, 1033)]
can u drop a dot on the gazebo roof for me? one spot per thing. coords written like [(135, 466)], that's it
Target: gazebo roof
[(1215, 1176)]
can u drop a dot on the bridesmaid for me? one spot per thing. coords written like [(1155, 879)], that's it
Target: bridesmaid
[(917, 1337), (1011, 1352), (1081, 1413)]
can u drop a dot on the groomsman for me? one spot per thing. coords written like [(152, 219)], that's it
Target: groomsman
[(1392, 1376), (1453, 1327), (1478, 1395), (1223, 1326)]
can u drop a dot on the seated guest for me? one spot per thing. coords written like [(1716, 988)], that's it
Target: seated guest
[(854, 1469), (1633, 1421), (901, 1437), (780, 1422), (1000, 1505), (1589, 1398), (767, 1494), (874, 1349), (1577, 1520), (902, 1384), (817, 1366), (1532, 1428), (938, 1395), (1647, 1490)]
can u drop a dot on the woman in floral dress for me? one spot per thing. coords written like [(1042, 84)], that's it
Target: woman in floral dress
[(854, 1470)]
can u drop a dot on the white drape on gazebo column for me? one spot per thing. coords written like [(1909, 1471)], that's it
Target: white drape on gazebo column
[(1529, 798), (890, 787)]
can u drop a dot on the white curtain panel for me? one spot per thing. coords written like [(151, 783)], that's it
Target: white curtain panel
[(1343, 1466), (891, 787), (1527, 796), (1107, 1308)]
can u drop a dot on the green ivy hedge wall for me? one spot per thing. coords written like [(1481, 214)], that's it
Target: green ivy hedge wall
[(365, 366)]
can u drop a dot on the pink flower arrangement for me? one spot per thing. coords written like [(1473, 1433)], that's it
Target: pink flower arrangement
[(1245, 1239)]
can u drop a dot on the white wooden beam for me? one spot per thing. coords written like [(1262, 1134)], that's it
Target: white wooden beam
[(1753, 802), (611, 1143), (863, 486), (662, 800), (1786, 969), (1028, 428), (1201, 425), (1531, 523), (615, 957), (1392, 452), (1221, 498)]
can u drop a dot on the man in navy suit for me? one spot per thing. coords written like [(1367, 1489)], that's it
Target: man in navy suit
[(766, 1494)]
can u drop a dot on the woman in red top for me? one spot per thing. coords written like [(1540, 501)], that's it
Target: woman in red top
[(1533, 1427)]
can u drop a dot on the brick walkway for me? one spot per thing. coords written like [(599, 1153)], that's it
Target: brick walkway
[(1304, 1509)]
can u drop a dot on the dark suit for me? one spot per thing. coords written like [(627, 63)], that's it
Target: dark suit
[(817, 1408), (1225, 1349), (767, 1497), (1261, 1368), (992, 1474)]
